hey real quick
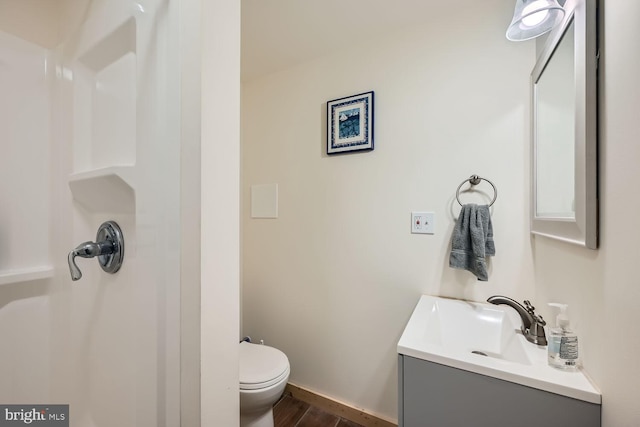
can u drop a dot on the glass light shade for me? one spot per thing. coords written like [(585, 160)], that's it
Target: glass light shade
[(533, 18)]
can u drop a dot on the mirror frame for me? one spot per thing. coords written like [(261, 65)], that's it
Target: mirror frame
[(583, 229)]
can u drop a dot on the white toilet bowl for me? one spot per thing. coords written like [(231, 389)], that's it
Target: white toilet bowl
[(264, 372)]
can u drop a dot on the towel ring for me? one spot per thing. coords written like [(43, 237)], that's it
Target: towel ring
[(475, 180)]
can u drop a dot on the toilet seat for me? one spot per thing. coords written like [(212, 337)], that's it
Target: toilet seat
[(261, 366)]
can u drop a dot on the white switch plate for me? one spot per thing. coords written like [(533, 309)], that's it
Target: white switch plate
[(423, 223)]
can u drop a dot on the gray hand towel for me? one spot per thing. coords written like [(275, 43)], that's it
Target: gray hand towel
[(472, 240)]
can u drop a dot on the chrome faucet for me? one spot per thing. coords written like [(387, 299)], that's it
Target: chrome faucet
[(532, 324), (108, 248)]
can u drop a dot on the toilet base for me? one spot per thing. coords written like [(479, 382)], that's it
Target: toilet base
[(257, 419)]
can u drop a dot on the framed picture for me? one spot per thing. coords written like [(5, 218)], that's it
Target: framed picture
[(350, 124)]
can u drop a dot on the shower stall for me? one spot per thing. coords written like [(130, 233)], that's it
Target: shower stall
[(92, 129)]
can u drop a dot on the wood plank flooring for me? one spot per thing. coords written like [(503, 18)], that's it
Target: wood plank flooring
[(291, 412)]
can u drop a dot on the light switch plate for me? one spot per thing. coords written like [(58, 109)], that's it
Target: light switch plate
[(423, 223)]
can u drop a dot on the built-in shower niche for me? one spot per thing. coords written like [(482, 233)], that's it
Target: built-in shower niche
[(107, 190), (105, 117)]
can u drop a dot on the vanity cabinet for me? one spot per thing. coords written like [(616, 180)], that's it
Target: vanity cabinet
[(431, 394)]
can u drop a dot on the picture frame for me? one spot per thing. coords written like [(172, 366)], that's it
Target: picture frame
[(350, 124)]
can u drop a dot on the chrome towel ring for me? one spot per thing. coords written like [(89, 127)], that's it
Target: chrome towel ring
[(475, 180)]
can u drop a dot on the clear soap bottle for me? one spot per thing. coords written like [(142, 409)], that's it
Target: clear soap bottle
[(563, 342)]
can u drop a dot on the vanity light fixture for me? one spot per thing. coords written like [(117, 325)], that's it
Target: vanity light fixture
[(533, 18)]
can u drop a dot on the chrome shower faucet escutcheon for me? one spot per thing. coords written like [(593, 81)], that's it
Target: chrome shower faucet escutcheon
[(108, 247)]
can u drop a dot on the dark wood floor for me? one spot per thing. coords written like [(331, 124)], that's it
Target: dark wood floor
[(291, 412)]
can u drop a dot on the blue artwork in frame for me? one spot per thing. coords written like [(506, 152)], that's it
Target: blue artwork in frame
[(350, 124)]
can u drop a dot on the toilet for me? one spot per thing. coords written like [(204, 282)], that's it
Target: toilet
[(264, 372)]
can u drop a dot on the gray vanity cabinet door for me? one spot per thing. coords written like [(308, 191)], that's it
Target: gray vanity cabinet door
[(434, 395)]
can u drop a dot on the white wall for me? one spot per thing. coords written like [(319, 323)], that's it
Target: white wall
[(602, 286), (334, 279), (36, 21), (220, 214), (190, 307)]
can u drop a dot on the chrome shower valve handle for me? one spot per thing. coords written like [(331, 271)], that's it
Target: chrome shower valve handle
[(109, 248)]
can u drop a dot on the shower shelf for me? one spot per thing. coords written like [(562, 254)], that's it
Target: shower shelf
[(108, 189), (25, 275)]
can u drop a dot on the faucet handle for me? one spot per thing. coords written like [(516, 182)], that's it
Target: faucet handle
[(109, 248), (536, 332), (531, 309)]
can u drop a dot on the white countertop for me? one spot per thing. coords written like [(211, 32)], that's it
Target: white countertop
[(423, 339)]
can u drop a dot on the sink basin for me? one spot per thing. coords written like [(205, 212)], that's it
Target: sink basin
[(460, 327), (486, 339)]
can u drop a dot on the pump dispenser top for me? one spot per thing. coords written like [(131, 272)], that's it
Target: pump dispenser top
[(562, 320)]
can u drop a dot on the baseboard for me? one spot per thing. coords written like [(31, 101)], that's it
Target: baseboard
[(337, 408)]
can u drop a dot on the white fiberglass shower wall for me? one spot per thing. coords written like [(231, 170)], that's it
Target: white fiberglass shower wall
[(90, 132)]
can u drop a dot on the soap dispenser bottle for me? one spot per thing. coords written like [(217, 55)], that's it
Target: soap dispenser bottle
[(563, 342)]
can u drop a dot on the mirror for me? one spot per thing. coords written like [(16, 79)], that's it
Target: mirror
[(555, 135), (564, 130)]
